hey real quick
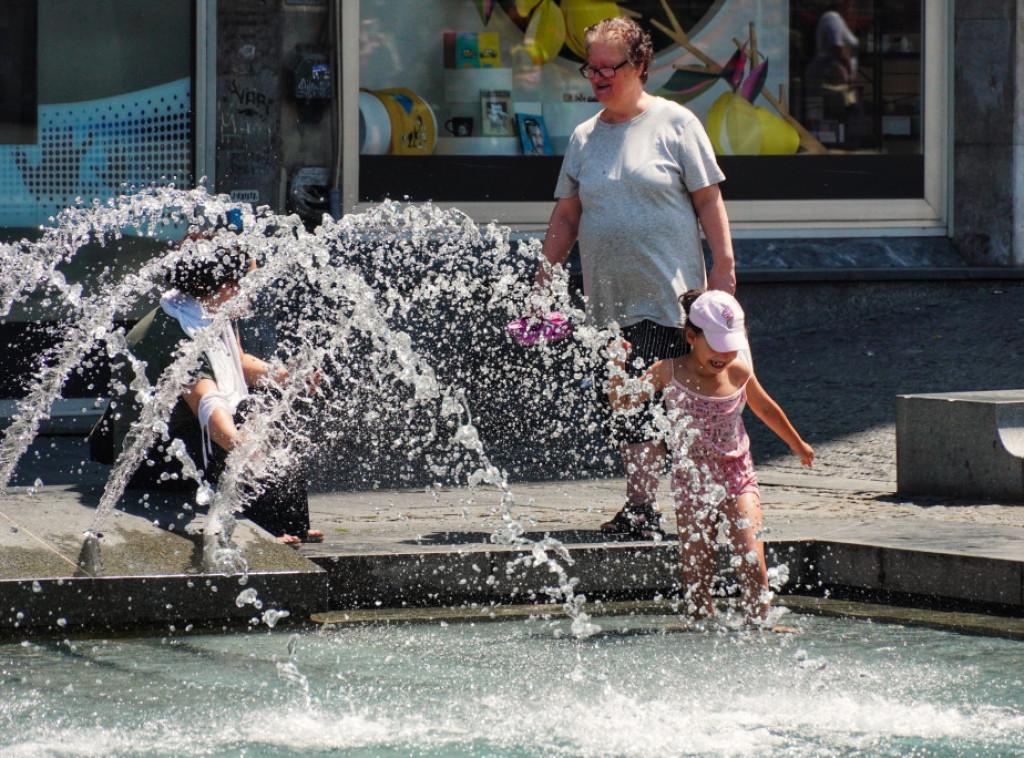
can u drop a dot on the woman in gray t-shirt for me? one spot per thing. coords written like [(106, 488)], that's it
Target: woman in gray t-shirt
[(638, 182)]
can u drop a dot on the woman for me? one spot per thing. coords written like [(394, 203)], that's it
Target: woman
[(212, 404), (831, 76), (635, 181)]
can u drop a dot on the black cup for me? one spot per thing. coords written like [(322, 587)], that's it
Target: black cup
[(460, 126)]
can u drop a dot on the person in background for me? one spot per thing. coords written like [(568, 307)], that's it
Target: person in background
[(831, 76), (638, 183)]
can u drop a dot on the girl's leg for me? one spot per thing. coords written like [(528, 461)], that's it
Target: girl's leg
[(698, 555), (744, 523)]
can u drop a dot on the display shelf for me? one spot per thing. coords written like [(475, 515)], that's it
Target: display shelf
[(478, 146)]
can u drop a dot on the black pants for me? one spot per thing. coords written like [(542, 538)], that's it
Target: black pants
[(282, 507)]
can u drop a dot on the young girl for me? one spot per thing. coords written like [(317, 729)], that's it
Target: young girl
[(705, 390)]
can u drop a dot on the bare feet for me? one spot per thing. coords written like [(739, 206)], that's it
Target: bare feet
[(313, 535)]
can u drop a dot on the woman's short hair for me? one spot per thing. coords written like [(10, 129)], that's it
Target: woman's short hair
[(639, 48), (207, 264)]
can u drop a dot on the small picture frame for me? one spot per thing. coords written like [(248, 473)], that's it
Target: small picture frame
[(534, 134), (496, 113)]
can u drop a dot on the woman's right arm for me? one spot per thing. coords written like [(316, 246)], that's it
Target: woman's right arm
[(563, 226), (221, 425)]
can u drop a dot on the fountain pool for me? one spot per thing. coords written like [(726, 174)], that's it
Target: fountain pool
[(639, 687)]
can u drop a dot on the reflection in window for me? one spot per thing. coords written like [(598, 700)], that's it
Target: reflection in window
[(856, 73)]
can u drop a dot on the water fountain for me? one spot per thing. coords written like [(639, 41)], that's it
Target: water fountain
[(387, 311), (402, 312)]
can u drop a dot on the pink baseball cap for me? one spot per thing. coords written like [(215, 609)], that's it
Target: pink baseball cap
[(720, 317)]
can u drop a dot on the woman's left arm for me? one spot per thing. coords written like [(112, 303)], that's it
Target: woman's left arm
[(256, 370), (710, 208), (772, 415)]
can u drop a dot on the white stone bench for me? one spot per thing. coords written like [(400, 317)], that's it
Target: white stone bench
[(967, 445)]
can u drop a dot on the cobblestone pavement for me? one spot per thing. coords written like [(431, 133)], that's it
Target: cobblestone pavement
[(838, 381)]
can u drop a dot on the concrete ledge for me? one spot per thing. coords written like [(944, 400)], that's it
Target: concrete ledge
[(943, 577), (961, 444), (119, 603), (137, 574), (484, 575)]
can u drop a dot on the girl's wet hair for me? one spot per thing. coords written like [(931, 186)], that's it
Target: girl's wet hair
[(686, 300), (207, 266), (639, 48)]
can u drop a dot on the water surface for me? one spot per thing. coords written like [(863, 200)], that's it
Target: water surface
[(639, 687)]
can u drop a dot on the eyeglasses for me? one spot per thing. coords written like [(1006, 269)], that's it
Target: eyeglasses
[(605, 72)]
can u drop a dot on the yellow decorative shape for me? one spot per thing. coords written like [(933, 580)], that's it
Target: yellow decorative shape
[(777, 136), (737, 127), (581, 14), (545, 33)]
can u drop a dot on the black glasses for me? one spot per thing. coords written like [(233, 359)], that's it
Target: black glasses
[(605, 72)]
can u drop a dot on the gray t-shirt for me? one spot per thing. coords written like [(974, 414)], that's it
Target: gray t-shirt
[(639, 239)]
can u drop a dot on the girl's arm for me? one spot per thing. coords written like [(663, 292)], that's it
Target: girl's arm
[(654, 380), (771, 414)]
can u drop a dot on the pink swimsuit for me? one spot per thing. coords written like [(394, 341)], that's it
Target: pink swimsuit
[(722, 444)]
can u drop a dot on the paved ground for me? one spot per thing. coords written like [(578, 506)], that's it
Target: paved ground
[(837, 380), (836, 371)]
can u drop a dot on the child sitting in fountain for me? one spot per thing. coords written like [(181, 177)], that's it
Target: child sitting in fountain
[(208, 413), (713, 480)]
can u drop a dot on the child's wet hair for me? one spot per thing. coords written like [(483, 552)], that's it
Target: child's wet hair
[(208, 266)]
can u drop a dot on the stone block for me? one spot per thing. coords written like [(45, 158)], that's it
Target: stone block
[(967, 445)]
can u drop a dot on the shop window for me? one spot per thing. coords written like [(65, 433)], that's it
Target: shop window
[(18, 72), (474, 100), (95, 100)]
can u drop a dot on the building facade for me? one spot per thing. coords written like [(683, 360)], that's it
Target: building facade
[(863, 119)]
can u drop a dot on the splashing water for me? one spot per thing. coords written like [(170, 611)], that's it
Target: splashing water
[(396, 316)]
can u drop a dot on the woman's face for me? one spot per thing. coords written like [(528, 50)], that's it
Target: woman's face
[(227, 294), (624, 88)]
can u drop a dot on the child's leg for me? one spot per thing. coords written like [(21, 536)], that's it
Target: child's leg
[(699, 561), (744, 523)]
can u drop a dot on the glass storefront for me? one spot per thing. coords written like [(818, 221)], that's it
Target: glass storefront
[(95, 98), (818, 110)]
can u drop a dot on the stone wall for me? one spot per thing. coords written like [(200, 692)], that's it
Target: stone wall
[(248, 101), (988, 184)]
